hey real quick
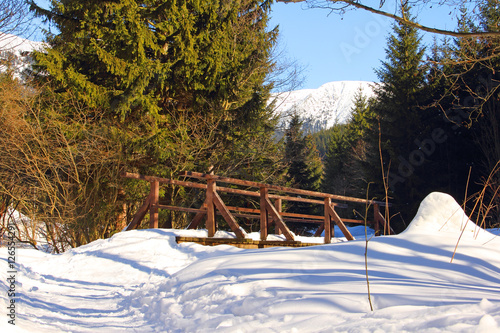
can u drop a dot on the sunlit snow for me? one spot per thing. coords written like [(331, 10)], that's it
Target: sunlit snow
[(143, 281)]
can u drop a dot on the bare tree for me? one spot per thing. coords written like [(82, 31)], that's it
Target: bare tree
[(61, 175)]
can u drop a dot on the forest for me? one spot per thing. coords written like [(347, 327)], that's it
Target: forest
[(159, 87)]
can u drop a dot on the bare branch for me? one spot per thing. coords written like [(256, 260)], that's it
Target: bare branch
[(15, 17), (402, 19)]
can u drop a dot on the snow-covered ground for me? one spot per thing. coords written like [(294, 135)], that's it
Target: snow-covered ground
[(143, 281)]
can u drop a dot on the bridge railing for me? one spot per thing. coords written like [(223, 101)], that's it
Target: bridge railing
[(269, 212)]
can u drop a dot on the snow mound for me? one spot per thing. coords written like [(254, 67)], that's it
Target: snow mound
[(439, 212)]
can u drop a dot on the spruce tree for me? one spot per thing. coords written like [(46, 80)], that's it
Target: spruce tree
[(182, 84), (305, 168), (473, 106), (347, 152), (397, 120)]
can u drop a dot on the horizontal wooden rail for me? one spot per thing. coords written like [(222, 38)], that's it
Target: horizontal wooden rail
[(251, 213), (248, 183), (162, 180), (224, 189)]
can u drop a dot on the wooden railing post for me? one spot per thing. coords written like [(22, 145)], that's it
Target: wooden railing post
[(264, 219), (328, 221), (211, 227), (332, 214), (278, 206), (153, 210)]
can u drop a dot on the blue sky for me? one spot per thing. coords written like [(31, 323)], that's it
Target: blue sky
[(347, 47)]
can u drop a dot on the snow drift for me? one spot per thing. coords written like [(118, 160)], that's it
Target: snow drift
[(143, 281)]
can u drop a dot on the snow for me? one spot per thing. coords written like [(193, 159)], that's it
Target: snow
[(143, 281), (320, 108), (16, 51)]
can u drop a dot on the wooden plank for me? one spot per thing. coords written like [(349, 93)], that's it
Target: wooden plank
[(139, 215), (278, 205), (284, 214), (210, 208), (227, 216), (242, 243), (357, 221), (380, 218), (195, 222), (306, 200), (338, 221), (376, 212), (183, 209), (276, 196), (275, 187), (320, 230), (163, 180), (153, 209), (287, 219)]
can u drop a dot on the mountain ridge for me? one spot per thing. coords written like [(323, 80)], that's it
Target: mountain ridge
[(320, 108)]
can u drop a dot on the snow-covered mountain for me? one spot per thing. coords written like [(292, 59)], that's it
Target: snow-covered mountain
[(323, 107), (15, 53)]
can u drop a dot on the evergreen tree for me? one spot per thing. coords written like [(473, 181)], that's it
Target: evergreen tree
[(473, 106), (487, 128), (347, 152), (182, 84), (322, 140), (397, 120), (336, 179), (305, 168)]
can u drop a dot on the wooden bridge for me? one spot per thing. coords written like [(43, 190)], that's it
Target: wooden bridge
[(270, 213)]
